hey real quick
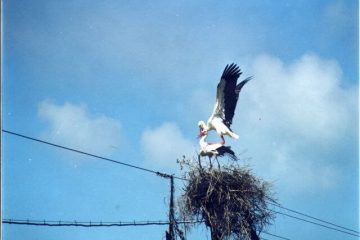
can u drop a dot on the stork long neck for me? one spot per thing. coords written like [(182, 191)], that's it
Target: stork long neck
[(202, 140)]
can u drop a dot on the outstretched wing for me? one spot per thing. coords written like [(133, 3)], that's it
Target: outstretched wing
[(231, 99), (228, 93)]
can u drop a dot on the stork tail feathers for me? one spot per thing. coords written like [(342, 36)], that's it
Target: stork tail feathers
[(233, 135), (226, 150)]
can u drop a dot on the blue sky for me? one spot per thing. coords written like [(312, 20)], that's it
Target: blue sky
[(130, 80)]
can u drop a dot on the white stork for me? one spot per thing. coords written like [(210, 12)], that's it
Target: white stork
[(226, 99), (214, 149)]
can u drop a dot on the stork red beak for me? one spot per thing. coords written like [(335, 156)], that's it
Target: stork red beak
[(202, 132)]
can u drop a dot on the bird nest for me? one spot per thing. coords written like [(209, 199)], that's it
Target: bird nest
[(231, 201)]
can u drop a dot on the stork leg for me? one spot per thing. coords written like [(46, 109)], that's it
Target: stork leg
[(210, 162), (222, 140), (217, 162), (199, 162)]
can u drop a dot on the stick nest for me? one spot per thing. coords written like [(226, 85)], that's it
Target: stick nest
[(232, 202)]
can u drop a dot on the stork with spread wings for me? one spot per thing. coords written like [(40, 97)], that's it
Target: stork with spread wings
[(226, 99)]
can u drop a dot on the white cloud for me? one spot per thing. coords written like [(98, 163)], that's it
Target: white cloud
[(73, 126), (291, 117), (304, 98), (164, 144), (298, 174)]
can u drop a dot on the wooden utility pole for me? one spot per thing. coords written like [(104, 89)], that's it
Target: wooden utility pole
[(170, 234)]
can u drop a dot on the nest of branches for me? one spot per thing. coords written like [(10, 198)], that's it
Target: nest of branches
[(231, 201)]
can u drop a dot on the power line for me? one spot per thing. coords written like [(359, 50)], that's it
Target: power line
[(82, 224), (51, 223), (166, 175), (60, 223), (91, 155), (318, 219), (271, 234), (319, 224)]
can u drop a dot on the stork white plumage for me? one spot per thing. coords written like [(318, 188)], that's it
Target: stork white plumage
[(214, 149), (226, 99)]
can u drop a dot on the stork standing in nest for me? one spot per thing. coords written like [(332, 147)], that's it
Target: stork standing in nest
[(226, 99), (214, 149)]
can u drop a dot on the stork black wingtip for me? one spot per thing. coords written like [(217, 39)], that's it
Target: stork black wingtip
[(231, 70)]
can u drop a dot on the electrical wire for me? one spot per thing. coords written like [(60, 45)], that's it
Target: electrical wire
[(319, 224), (274, 235), (314, 218), (81, 224), (51, 223), (165, 175)]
